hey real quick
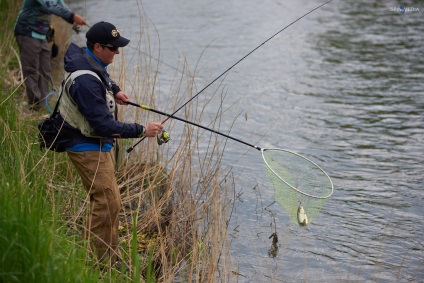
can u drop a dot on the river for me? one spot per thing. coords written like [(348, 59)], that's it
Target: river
[(344, 86)]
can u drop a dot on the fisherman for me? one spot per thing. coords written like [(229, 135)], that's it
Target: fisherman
[(88, 107), (31, 31)]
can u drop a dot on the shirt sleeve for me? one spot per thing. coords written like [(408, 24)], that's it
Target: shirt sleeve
[(58, 8), (115, 88)]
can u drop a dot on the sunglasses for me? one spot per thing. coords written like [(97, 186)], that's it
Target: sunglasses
[(111, 48)]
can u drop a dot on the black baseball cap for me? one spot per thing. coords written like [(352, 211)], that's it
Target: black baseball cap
[(106, 33)]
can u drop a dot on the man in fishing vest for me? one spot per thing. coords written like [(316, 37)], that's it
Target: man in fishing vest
[(88, 108)]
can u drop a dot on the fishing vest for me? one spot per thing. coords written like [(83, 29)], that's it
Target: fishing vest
[(68, 109)]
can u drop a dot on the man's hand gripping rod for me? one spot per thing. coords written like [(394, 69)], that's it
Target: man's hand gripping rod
[(164, 137)]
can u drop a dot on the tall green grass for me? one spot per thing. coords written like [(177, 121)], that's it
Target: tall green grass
[(33, 244)]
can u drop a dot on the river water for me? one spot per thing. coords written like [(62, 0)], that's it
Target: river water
[(344, 87)]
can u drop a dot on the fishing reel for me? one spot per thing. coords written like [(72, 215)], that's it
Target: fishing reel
[(76, 28), (162, 138)]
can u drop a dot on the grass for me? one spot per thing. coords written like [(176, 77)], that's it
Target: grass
[(33, 244), (174, 218)]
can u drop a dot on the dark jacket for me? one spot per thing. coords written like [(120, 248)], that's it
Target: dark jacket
[(34, 16), (90, 96)]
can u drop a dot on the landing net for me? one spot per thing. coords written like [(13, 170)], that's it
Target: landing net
[(297, 181)]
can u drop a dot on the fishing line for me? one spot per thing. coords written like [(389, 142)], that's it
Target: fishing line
[(226, 71), (154, 58)]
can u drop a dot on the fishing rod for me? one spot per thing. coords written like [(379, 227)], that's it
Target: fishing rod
[(275, 159), (166, 138), (226, 71)]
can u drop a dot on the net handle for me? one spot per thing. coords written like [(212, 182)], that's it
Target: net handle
[(296, 189)]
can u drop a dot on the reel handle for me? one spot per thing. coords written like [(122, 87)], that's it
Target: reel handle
[(162, 138)]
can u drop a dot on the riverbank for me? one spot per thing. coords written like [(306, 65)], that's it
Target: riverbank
[(173, 223)]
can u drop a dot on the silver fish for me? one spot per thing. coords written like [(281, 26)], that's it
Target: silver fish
[(302, 219)]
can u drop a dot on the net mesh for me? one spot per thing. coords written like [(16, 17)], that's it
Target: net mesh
[(297, 180)]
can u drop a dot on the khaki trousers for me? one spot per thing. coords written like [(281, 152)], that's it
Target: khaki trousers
[(97, 172), (35, 56)]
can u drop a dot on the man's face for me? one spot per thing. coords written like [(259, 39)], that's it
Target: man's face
[(105, 52)]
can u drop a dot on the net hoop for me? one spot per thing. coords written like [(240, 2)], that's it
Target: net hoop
[(296, 189)]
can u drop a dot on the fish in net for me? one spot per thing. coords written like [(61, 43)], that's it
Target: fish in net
[(301, 186)]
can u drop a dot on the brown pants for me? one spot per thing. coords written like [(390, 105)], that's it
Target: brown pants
[(98, 177), (35, 56)]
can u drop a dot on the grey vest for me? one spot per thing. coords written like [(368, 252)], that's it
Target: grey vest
[(69, 110)]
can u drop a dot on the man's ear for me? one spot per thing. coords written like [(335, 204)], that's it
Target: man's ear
[(97, 48)]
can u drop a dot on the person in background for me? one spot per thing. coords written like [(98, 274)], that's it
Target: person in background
[(31, 30), (88, 109)]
